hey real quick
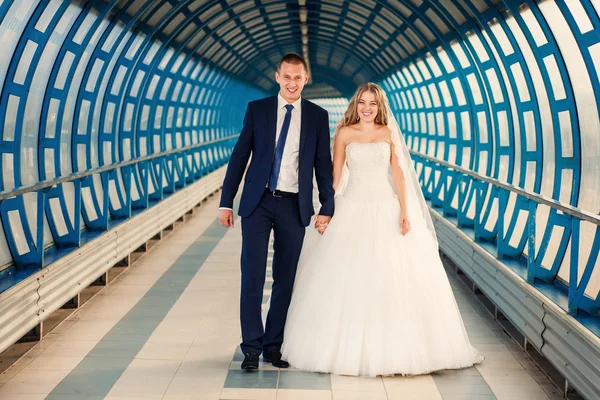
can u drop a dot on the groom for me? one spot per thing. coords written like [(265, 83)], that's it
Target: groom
[(288, 137)]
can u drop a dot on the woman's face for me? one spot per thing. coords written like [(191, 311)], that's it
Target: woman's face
[(367, 107)]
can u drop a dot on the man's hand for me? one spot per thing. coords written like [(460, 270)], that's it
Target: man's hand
[(321, 223), (226, 218)]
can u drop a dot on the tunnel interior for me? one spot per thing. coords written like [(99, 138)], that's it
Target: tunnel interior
[(507, 89)]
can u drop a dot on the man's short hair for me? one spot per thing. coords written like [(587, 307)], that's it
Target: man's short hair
[(293, 58)]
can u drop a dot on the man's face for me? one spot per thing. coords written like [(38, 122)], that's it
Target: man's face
[(291, 79)]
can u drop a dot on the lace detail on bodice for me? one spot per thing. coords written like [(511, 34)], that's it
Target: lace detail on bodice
[(368, 164)]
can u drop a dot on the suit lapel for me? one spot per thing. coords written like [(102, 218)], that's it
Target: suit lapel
[(272, 124), (304, 128)]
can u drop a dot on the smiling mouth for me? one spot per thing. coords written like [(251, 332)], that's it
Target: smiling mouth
[(367, 114)]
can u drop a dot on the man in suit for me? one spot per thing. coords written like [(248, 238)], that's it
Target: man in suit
[(288, 138)]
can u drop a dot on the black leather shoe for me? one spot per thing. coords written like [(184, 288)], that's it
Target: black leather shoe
[(250, 362), (274, 357)]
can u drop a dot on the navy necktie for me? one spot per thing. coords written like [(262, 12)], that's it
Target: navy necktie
[(279, 149)]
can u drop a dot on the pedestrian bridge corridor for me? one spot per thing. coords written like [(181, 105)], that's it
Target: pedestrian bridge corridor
[(117, 121)]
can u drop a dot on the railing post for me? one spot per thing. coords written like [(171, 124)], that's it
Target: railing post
[(531, 241), (574, 267), (461, 199), (77, 217), (478, 206), (502, 204), (40, 220)]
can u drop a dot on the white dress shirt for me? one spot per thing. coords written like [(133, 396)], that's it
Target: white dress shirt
[(288, 173)]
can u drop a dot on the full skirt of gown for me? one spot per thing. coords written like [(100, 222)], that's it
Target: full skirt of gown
[(369, 301)]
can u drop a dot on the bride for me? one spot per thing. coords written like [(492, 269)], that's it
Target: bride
[(371, 297)]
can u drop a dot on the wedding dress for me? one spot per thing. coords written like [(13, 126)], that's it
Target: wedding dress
[(367, 300)]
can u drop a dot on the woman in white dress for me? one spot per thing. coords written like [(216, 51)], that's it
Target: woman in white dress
[(371, 296)]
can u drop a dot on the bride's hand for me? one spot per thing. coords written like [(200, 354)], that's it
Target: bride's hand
[(321, 222), (404, 224)]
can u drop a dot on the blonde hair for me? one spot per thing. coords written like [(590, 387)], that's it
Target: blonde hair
[(351, 114)]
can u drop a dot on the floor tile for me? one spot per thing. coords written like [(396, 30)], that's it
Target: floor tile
[(358, 395), (163, 351), (34, 382), (45, 363), (145, 378), (254, 379), (288, 394), (347, 383), (304, 380), (248, 394)]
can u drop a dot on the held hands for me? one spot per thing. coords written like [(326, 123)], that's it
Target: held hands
[(404, 224), (226, 218), (321, 223)]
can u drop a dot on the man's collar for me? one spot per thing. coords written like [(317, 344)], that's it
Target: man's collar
[(281, 102)]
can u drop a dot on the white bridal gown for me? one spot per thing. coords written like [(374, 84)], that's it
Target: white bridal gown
[(367, 300)]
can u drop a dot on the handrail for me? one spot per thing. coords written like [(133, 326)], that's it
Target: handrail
[(79, 175), (567, 209)]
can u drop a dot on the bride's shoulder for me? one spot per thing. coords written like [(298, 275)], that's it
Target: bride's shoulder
[(345, 133), (385, 133)]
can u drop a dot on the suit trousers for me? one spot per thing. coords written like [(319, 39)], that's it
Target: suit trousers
[(282, 216)]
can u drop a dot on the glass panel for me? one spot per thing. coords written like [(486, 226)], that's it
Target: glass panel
[(109, 117), (84, 115), (18, 234), (532, 24), (94, 75), (503, 133), (25, 62), (152, 87), (478, 46), (445, 93), (555, 78), (10, 118), (437, 21), (112, 37), (144, 119), (135, 46), (61, 78), (446, 61), (116, 87), (8, 174), (51, 120), (85, 26), (494, 83), (566, 133), (165, 88), (460, 54), (458, 90), (500, 35), (521, 82), (475, 89), (137, 83), (48, 14)]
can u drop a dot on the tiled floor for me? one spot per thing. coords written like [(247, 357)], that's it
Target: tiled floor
[(168, 329)]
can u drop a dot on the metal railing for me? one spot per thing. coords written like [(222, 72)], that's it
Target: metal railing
[(81, 175), (576, 285), (159, 161)]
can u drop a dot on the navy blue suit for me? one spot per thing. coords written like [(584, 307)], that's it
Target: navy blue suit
[(287, 216)]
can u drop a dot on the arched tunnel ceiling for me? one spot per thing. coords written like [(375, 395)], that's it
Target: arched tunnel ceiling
[(346, 42)]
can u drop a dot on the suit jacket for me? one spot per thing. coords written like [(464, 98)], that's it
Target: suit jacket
[(258, 138)]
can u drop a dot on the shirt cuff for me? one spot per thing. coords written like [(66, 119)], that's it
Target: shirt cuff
[(225, 208)]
